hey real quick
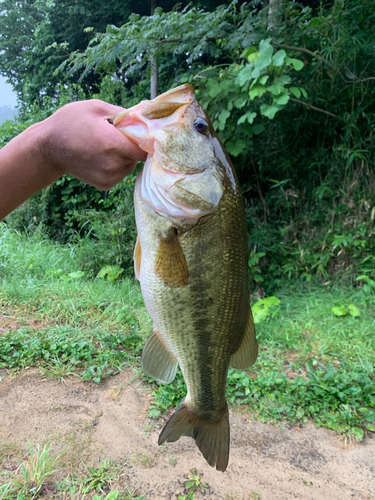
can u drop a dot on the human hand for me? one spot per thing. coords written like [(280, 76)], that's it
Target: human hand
[(78, 140)]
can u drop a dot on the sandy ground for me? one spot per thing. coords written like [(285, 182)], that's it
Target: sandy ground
[(109, 421)]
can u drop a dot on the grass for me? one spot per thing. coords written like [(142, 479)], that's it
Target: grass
[(33, 478), (31, 475), (312, 364)]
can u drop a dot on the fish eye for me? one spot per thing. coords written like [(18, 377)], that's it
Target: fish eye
[(201, 125)]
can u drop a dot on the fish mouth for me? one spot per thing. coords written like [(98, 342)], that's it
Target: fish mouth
[(139, 123)]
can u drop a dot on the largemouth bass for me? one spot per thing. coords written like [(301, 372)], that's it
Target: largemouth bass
[(191, 260)]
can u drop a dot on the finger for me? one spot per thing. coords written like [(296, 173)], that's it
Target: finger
[(128, 148), (106, 109)]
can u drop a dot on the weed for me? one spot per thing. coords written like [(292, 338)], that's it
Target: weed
[(65, 348), (173, 461), (342, 400), (192, 484), (99, 477), (254, 496), (59, 369), (111, 496), (145, 459), (29, 478)]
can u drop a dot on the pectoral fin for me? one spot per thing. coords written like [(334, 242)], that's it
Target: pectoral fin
[(247, 353), (171, 266), (157, 361), (137, 259)]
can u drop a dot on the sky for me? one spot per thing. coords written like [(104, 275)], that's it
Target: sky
[(7, 96)]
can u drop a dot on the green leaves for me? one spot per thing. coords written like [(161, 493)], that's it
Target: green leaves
[(258, 87), (112, 273), (264, 307), (270, 110), (344, 310), (340, 400), (278, 58), (249, 116), (296, 63)]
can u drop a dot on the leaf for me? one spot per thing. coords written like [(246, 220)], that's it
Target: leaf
[(249, 116), (76, 275), (262, 62), (258, 128), (223, 116), (282, 99), (295, 91), (276, 88), (240, 101), (369, 416), (358, 433), (278, 58), (248, 51), (257, 91), (353, 310), (112, 272), (214, 90), (296, 63), (253, 57), (244, 75), (269, 110), (339, 311), (265, 48), (236, 147)]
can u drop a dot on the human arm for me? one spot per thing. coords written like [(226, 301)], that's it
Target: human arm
[(76, 140)]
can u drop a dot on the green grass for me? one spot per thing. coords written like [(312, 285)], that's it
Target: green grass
[(312, 364)]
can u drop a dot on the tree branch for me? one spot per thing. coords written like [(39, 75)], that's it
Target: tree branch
[(302, 49), (317, 109)]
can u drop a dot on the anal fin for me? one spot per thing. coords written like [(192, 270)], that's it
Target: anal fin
[(171, 266), (157, 361), (247, 353)]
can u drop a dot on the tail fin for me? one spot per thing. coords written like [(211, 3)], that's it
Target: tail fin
[(211, 435)]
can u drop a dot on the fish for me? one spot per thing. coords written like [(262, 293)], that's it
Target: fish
[(191, 258)]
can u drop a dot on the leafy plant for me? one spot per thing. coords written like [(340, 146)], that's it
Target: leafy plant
[(264, 308), (31, 475), (99, 477), (344, 310), (110, 272), (192, 483)]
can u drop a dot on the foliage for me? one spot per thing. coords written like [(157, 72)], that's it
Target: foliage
[(343, 310), (342, 400), (265, 307), (32, 474), (192, 484), (312, 365)]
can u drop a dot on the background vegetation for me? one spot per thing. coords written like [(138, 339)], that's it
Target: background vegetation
[(290, 90)]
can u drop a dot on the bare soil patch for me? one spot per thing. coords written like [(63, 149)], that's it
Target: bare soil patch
[(12, 319), (109, 421)]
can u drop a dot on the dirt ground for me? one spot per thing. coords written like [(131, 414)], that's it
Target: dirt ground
[(109, 421)]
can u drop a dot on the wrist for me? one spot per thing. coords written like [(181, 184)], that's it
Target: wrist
[(43, 148), (25, 167)]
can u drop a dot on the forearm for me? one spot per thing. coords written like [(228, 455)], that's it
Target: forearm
[(23, 170), (77, 140)]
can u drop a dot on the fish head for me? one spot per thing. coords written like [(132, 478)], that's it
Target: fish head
[(182, 178)]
